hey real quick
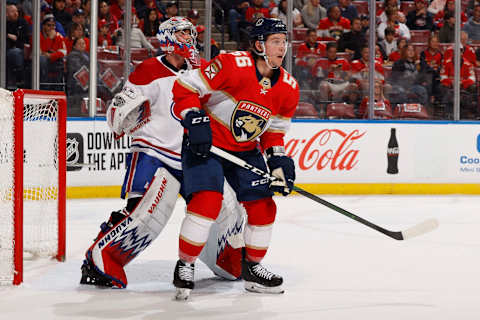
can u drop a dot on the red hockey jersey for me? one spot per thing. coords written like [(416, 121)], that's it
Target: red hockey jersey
[(467, 74), (241, 110)]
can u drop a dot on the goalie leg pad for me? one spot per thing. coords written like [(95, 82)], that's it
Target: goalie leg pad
[(223, 251), (133, 234)]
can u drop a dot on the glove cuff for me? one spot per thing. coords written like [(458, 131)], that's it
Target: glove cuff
[(275, 151)]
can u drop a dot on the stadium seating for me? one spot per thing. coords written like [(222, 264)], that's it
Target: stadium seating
[(306, 110), (299, 33), (340, 111), (419, 36), (414, 111)]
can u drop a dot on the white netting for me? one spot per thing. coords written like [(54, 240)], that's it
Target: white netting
[(40, 176), (6, 186), (40, 179)]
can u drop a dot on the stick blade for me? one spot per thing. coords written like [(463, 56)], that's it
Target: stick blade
[(419, 229)]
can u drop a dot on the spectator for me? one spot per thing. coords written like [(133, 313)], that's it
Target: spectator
[(360, 70), (280, 12), (382, 13), (193, 16), (307, 55), (73, 5), (420, 18), (431, 59), (237, 20), (348, 10), (334, 73), (334, 25), (104, 13), (408, 79), (297, 4), (60, 14), (312, 13), (401, 30), (447, 31), (117, 9), (365, 20), (436, 6), (471, 6), (472, 27), (17, 36), (47, 9), (76, 32), (151, 24), (328, 3), (171, 10), (53, 50), (381, 103), (468, 88), (389, 44), (77, 62), (439, 18), (87, 8), (256, 11), (137, 38), (352, 42), (395, 55), (466, 50), (214, 49), (79, 17), (104, 36), (143, 8)]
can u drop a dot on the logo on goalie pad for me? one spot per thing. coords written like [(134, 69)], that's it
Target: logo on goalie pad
[(124, 242)]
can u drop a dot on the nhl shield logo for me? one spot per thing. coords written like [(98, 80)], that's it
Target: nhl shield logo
[(248, 121)]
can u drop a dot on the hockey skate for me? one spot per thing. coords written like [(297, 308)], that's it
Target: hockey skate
[(260, 280), (91, 276), (183, 279)]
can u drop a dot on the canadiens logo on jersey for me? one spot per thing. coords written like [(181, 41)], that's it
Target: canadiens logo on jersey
[(248, 120)]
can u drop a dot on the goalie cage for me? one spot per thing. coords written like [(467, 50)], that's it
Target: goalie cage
[(32, 184)]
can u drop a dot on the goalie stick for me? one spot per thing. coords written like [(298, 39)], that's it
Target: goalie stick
[(419, 229)]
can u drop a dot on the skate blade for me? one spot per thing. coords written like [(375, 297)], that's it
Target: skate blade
[(182, 294), (258, 288)]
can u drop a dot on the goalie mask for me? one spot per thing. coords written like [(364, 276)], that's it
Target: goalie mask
[(182, 44)]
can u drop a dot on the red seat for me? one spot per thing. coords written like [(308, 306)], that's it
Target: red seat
[(137, 53), (108, 53), (305, 110), (154, 41), (111, 73), (419, 36), (411, 111), (407, 6), (419, 47), (299, 33), (362, 6), (340, 111)]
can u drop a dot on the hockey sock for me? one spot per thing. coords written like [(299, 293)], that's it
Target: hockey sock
[(258, 230), (202, 211)]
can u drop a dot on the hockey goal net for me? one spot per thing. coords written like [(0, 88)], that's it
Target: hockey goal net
[(32, 184)]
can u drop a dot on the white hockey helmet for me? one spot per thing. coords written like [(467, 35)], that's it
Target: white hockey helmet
[(169, 42)]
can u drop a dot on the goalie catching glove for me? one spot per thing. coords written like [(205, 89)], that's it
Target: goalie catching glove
[(199, 132), (128, 111), (281, 167)]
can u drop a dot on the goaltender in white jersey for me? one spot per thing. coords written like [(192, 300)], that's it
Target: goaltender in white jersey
[(143, 110)]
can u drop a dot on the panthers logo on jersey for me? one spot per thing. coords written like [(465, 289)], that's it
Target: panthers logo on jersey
[(248, 120)]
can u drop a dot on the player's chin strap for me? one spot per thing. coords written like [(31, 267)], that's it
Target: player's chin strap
[(265, 57)]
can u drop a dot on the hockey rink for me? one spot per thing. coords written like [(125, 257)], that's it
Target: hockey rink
[(333, 267)]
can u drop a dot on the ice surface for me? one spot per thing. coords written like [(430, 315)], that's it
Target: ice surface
[(334, 267)]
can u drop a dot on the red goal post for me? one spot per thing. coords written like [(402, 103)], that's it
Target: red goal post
[(33, 186)]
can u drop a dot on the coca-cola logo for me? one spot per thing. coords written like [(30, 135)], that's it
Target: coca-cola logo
[(328, 148)]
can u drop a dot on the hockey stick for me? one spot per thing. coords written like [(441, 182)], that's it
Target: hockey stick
[(419, 229)]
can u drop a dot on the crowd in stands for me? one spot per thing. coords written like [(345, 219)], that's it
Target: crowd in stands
[(65, 44), (414, 54)]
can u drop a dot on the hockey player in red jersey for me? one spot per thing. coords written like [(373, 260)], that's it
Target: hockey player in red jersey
[(154, 178), (237, 102)]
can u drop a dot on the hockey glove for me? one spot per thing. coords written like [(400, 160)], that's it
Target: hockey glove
[(197, 124), (282, 167)]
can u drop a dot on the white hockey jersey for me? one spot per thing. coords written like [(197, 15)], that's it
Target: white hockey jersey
[(161, 135)]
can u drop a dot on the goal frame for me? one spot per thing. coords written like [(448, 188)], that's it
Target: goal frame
[(18, 195)]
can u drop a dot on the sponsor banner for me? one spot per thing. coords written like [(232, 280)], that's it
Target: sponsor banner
[(324, 153), (384, 152), (94, 157)]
